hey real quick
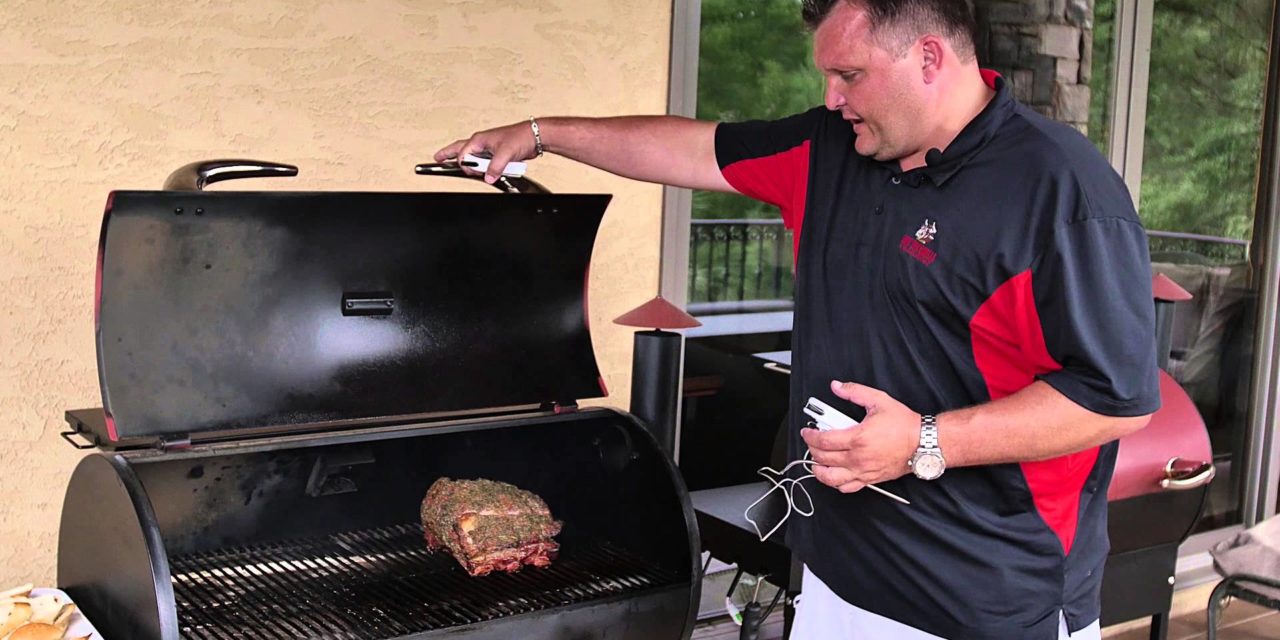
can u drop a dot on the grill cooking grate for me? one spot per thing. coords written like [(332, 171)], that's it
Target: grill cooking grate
[(382, 583)]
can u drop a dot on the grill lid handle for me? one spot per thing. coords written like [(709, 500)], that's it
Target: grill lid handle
[(1180, 475), (508, 184), (197, 175)]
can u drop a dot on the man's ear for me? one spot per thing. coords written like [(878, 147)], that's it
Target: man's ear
[(932, 56)]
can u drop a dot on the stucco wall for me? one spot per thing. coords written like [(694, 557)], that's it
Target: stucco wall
[(99, 95)]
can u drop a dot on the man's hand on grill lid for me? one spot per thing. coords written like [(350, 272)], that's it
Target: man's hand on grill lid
[(513, 142)]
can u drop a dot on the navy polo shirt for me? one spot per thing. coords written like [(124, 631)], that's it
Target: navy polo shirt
[(1017, 256)]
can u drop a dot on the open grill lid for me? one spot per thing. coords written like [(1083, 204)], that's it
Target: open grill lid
[(223, 311)]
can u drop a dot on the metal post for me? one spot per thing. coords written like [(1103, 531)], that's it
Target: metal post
[(655, 384), (1259, 500)]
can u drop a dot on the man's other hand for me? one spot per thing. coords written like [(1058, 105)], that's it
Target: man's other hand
[(875, 451)]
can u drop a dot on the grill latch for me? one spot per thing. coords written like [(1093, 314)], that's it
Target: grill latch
[(174, 442)]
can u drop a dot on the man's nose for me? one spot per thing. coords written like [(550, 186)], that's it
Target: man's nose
[(833, 99)]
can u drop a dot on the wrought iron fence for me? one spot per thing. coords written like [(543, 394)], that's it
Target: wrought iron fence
[(739, 265), (1175, 246), (746, 265)]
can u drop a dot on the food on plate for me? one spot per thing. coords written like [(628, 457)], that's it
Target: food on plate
[(489, 525), (17, 615), (24, 616)]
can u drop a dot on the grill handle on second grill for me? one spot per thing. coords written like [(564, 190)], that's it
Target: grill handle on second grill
[(198, 175), (1180, 477), (509, 184)]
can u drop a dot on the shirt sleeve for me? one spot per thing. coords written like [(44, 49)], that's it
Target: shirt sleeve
[(1092, 288), (769, 160)]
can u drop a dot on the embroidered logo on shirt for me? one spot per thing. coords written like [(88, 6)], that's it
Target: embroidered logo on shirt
[(926, 231), (915, 247)]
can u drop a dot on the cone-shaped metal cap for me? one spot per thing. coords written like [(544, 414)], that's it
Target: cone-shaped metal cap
[(657, 314), (1164, 288)]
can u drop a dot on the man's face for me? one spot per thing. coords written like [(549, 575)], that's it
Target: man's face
[(875, 93)]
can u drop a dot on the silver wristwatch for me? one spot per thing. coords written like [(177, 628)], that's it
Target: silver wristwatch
[(927, 462)]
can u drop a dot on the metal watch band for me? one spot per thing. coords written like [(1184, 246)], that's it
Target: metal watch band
[(928, 432)]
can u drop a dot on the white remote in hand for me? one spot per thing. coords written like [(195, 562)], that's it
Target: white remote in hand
[(826, 416), (513, 169)]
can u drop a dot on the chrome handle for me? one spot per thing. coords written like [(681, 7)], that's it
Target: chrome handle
[(1176, 479), (198, 175), (509, 184), (773, 366)]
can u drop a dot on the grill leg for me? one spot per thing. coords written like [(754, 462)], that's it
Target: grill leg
[(792, 587), (752, 617), (1160, 626), (788, 613)]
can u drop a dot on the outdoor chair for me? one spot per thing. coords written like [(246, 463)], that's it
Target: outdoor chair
[(1250, 567)]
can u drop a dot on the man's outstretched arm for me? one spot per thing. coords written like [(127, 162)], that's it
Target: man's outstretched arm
[(664, 149)]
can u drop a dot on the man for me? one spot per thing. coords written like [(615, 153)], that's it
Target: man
[(972, 278)]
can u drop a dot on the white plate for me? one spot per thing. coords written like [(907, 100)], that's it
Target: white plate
[(80, 625)]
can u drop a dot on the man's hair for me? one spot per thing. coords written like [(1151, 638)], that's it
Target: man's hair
[(896, 24)]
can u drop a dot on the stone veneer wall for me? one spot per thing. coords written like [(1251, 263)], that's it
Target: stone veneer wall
[(1043, 47)]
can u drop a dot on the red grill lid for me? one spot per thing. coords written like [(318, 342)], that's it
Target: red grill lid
[(231, 310)]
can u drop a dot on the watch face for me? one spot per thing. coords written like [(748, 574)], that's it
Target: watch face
[(929, 466)]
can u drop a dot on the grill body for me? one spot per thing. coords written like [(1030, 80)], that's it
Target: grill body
[(318, 536), (1146, 522)]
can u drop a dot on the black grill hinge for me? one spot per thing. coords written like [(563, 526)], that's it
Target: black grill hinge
[(177, 442), (559, 407)]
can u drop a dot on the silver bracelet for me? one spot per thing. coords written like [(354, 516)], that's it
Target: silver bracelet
[(537, 137)]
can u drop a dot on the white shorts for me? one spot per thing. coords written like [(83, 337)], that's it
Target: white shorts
[(822, 615)]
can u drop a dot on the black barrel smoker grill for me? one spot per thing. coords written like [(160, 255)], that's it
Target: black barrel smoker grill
[(284, 374)]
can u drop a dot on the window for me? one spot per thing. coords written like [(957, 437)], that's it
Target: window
[(755, 61), (1200, 153)]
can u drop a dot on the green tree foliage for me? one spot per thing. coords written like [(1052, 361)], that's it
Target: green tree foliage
[(1100, 78), (1204, 115), (755, 62)]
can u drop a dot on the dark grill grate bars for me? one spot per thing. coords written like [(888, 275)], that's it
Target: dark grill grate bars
[(382, 583)]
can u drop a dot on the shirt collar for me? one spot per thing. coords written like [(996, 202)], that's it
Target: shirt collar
[(971, 139)]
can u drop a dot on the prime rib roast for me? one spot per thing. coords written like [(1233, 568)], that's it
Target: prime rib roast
[(489, 525)]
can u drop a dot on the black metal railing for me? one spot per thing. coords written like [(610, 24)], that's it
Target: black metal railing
[(1175, 246), (739, 265), (746, 265)]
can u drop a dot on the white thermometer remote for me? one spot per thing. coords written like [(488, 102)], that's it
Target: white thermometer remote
[(828, 418), (513, 169)]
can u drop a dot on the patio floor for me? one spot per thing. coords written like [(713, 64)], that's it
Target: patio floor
[(1241, 621)]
